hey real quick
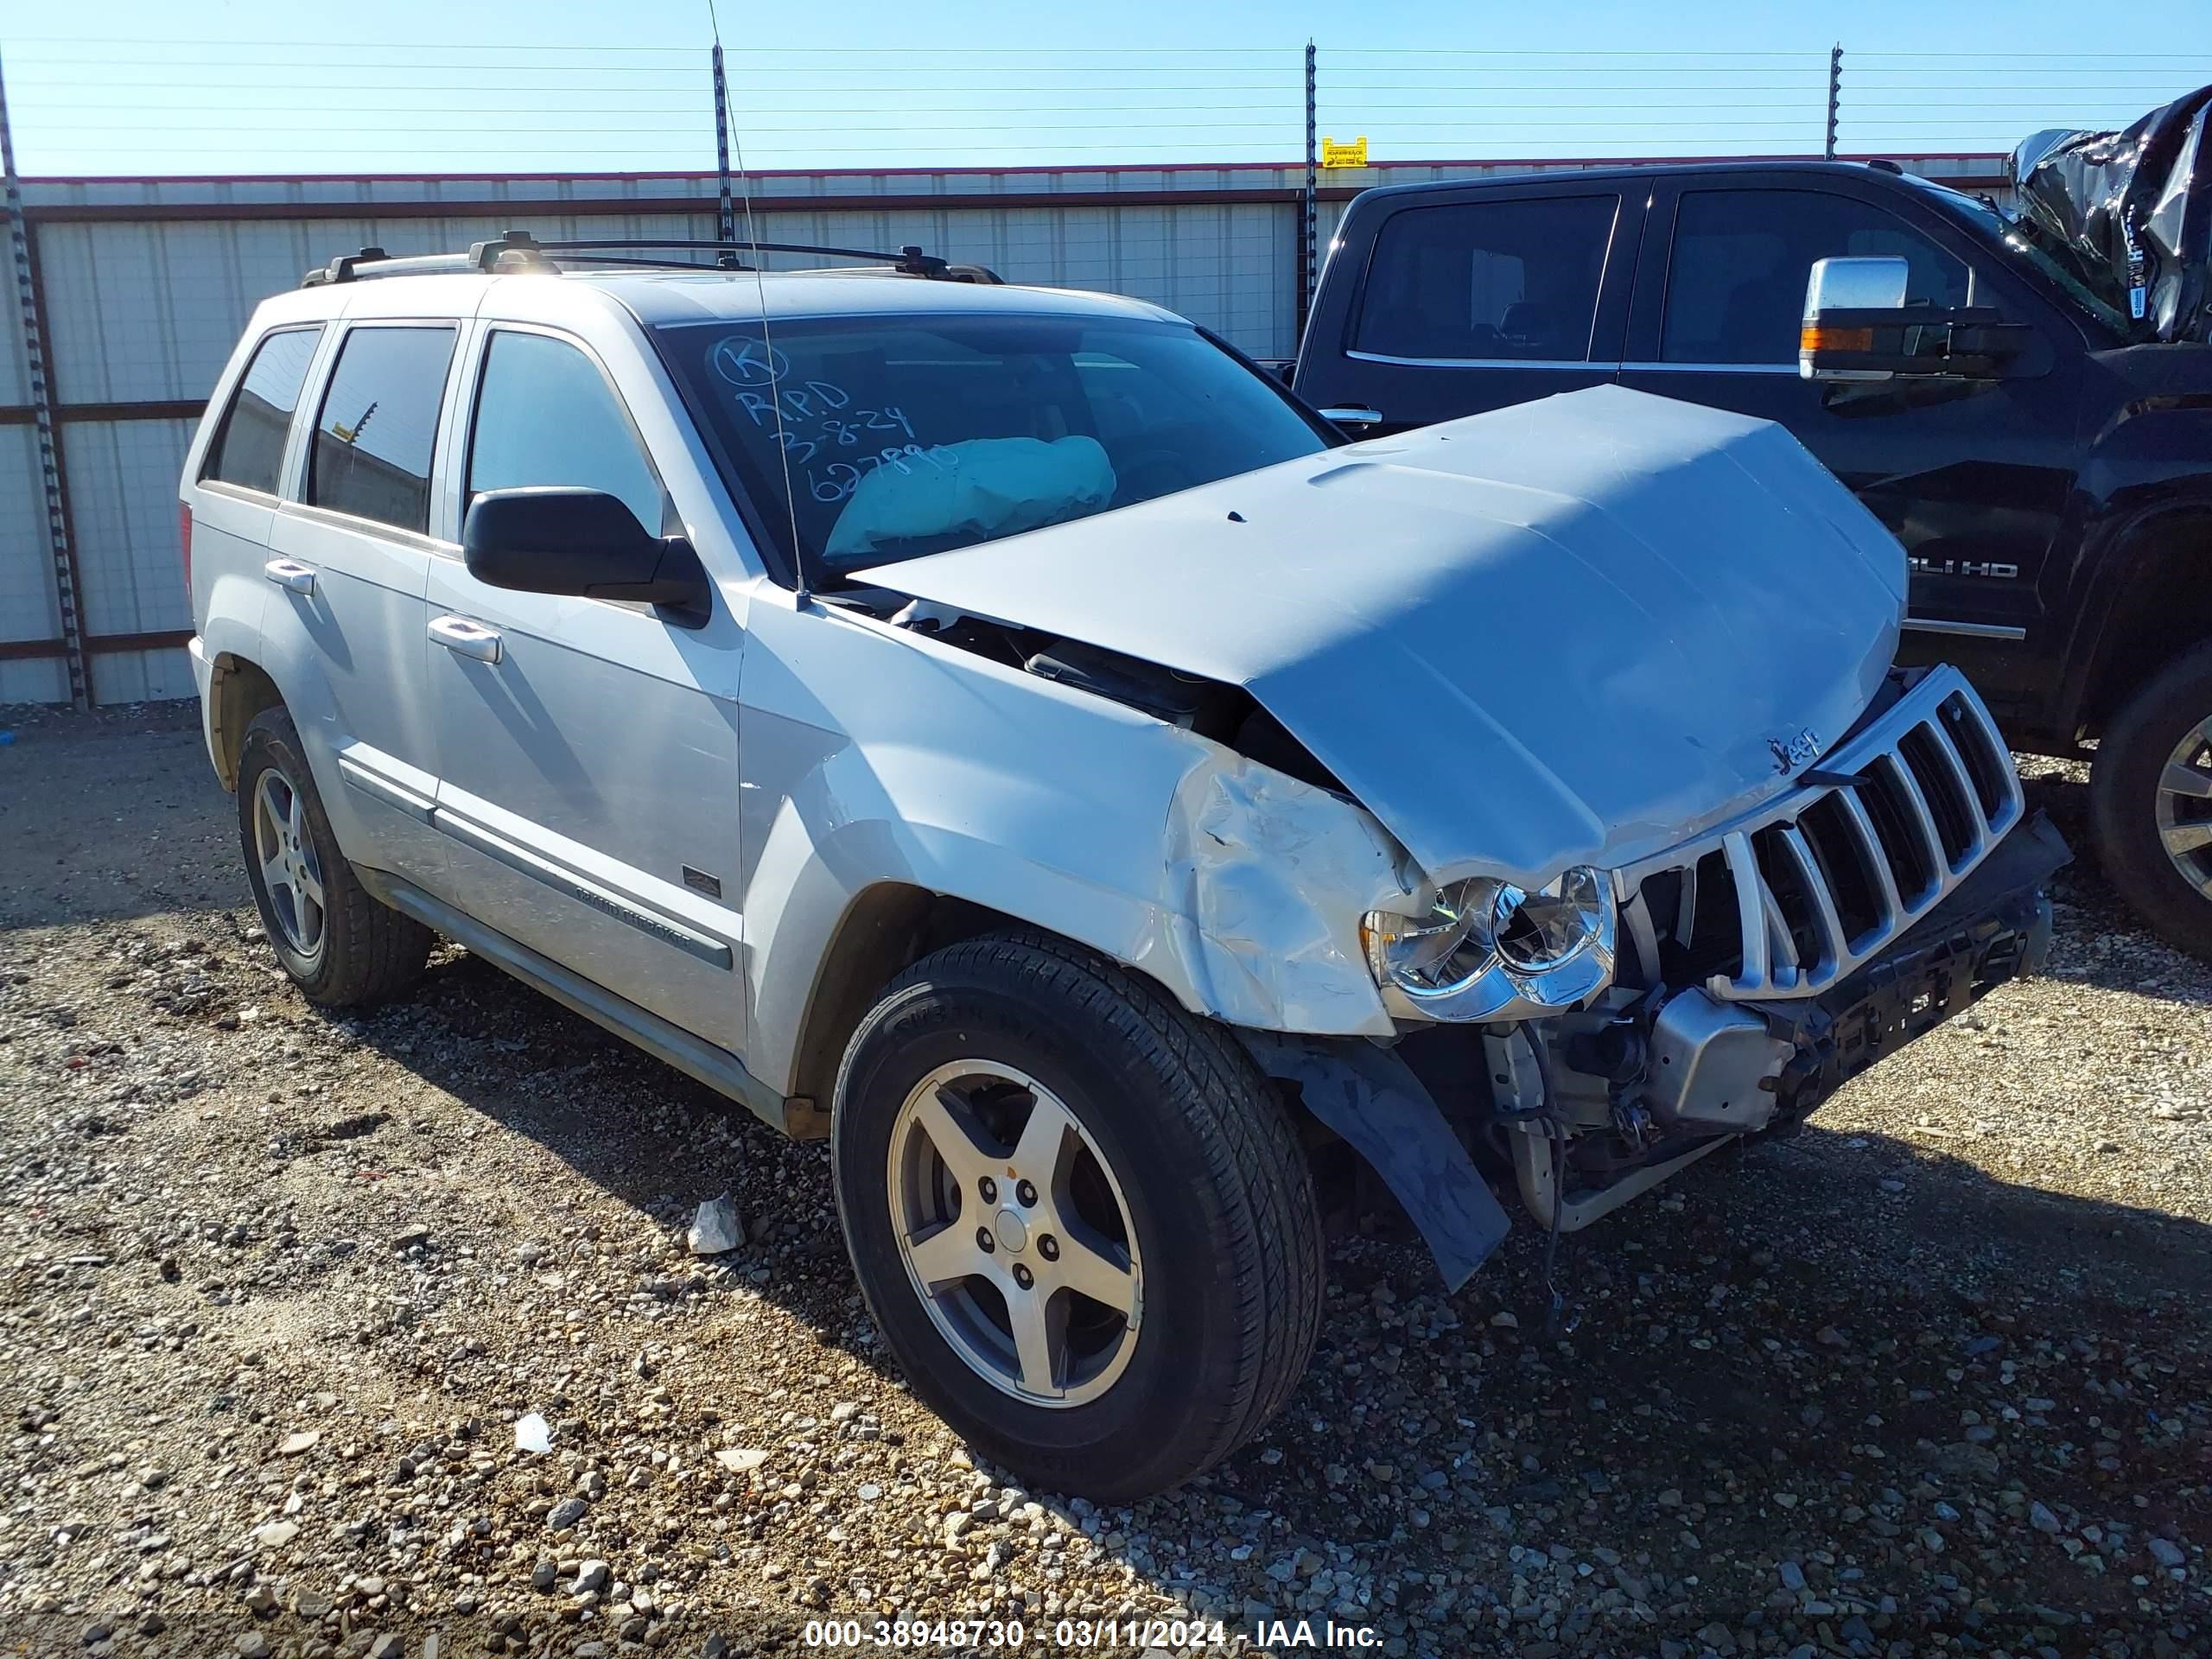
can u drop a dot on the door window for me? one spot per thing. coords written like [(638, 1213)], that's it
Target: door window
[(379, 425), (546, 416), (1483, 281), (1736, 283), (248, 450)]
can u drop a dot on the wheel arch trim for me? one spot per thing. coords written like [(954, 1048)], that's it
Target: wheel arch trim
[(1372, 1098), (2139, 551)]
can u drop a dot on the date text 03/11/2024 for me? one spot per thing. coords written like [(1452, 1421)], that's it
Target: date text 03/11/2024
[(1071, 1635)]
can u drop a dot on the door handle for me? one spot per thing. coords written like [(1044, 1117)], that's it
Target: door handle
[(290, 575), (464, 637), (1353, 414)]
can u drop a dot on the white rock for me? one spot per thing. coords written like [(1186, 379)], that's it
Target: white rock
[(275, 1535), (533, 1433), (304, 1440), (716, 1227), (739, 1460)]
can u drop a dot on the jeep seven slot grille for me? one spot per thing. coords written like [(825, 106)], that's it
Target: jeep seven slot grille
[(1793, 898)]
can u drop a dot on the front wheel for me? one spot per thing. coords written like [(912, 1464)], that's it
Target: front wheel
[(2151, 801), (1080, 1219)]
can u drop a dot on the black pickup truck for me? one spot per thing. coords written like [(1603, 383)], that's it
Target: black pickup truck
[(2024, 397)]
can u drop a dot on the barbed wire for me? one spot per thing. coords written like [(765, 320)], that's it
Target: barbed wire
[(86, 104)]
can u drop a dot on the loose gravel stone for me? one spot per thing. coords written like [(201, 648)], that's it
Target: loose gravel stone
[(716, 1229), (307, 1269)]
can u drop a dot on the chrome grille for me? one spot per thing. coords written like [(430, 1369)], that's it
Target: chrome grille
[(1814, 885)]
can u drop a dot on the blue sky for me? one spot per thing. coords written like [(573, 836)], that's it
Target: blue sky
[(547, 86)]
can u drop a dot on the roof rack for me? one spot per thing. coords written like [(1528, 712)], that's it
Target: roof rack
[(520, 250)]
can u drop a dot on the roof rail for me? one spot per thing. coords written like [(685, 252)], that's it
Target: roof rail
[(347, 268), (520, 250)]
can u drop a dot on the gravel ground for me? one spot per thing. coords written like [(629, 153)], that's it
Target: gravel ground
[(1932, 1378)]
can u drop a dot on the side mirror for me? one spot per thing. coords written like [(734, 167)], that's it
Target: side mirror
[(583, 542), (1857, 327)]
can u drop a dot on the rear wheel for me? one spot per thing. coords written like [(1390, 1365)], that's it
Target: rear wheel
[(1081, 1220), (339, 943), (2150, 798)]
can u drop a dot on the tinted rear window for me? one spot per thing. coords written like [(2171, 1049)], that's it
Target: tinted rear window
[(1484, 280), (248, 450), (379, 425)]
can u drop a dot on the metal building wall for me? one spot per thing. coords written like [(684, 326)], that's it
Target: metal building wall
[(145, 285)]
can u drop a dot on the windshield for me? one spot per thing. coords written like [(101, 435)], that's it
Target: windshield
[(913, 435), (1994, 226)]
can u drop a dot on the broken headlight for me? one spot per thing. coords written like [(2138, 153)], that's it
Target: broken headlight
[(1488, 949)]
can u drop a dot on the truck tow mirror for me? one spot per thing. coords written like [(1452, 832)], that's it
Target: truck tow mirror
[(1857, 327)]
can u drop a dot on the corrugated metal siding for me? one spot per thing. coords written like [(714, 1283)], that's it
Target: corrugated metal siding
[(27, 610), (149, 311), (39, 679), (14, 366), (146, 309), (122, 479), (1225, 265)]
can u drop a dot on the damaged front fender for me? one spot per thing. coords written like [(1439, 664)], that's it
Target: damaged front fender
[(1271, 876)]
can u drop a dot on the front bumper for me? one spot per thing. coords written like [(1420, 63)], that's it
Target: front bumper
[(1701, 1072), (1414, 1110), (1994, 927)]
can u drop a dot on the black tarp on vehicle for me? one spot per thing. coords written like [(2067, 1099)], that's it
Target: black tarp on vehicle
[(2132, 210)]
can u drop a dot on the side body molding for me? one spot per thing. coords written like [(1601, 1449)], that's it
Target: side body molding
[(1371, 1097)]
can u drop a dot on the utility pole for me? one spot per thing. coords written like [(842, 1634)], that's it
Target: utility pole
[(1309, 211), (42, 391), (726, 220), (1835, 96)]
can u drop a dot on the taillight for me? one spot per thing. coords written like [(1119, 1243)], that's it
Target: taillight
[(184, 544)]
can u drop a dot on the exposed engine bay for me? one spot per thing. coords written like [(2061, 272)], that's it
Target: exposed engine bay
[(1228, 715)]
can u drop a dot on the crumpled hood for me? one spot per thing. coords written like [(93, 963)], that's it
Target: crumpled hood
[(2131, 211), (1578, 630)]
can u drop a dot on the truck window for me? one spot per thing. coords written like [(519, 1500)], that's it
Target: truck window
[(1488, 281), (1736, 282), (546, 416), (248, 450)]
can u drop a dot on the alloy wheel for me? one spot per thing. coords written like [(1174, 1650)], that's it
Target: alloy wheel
[(291, 874), (1015, 1234), (2185, 807)]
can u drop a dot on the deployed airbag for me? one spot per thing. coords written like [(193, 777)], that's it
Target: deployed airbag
[(960, 493), (2133, 209)]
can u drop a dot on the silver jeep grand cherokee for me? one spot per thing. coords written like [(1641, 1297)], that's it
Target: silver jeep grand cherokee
[(1001, 731)]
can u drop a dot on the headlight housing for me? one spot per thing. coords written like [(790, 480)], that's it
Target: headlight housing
[(1488, 949)]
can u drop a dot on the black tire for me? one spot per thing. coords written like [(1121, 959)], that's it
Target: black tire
[(2124, 798), (1218, 1192), (367, 951)]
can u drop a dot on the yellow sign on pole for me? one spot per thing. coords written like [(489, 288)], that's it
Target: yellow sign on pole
[(1351, 155)]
